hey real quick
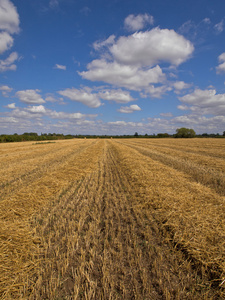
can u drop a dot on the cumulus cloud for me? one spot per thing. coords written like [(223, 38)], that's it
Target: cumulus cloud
[(83, 96), (37, 109), (167, 115), (6, 41), (181, 85), (156, 92), (9, 18), (129, 109), (130, 77), (63, 115), (151, 47), (30, 96), (221, 67), (118, 96), (5, 90), (132, 61), (8, 63), (205, 102), (183, 107), (105, 43), (138, 22), (9, 24), (11, 105), (60, 67)]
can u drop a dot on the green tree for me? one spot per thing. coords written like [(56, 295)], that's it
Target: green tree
[(185, 133)]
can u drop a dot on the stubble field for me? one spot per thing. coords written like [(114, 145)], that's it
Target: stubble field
[(113, 219)]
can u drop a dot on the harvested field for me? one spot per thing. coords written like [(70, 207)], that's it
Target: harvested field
[(113, 219)]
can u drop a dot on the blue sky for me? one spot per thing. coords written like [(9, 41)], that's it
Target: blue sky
[(112, 67)]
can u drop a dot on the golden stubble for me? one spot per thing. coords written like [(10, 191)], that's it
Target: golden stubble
[(111, 219)]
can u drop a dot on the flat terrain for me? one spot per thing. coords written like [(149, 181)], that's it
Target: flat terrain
[(113, 219)]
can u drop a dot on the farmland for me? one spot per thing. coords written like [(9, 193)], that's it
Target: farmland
[(113, 219)]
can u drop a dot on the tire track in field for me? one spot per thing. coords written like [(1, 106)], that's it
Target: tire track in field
[(97, 243)]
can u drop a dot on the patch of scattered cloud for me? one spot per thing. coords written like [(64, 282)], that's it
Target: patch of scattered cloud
[(60, 67), (151, 47), (9, 63), (36, 109), (105, 43), (84, 96), (5, 90), (219, 27), (205, 102), (138, 22), (221, 67), (6, 41), (118, 96), (130, 77), (11, 105), (9, 18), (156, 92), (129, 109), (30, 96), (167, 115)]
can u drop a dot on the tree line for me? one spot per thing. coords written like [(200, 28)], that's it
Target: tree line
[(33, 136)]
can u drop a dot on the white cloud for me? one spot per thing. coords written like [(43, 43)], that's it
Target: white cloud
[(63, 115), (5, 90), (6, 41), (222, 57), (134, 23), (167, 115), (183, 107), (8, 63), (84, 96), (221, 67), (156, 92), (60, 67), (219, 27), (37, 109), (131, 62), (129, 109), (11, 105), (181, 85), (205, 102), (151, 47), (30, 96), (118, 96), (9, 18), (130, 77), (100, 44)]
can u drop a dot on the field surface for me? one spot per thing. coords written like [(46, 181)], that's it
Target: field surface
[(113, 219)]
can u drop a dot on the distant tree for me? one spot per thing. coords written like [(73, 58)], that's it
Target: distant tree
[(136, 134), (162, 135), (224, 133), (185, 133), (205, 134)]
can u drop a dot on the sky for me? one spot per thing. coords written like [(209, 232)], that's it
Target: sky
[(112, 67)]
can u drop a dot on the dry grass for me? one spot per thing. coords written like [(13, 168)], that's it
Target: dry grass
[(95, 219)]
